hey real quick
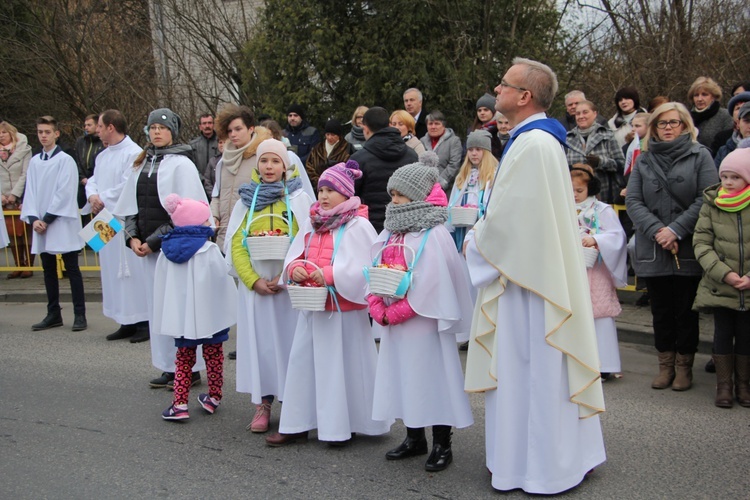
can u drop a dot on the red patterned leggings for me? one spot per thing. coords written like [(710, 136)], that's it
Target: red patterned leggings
[(213, 354)]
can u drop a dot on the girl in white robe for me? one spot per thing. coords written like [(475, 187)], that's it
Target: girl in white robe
[(273, 201), (419, 377), (331, 377), (601, 229), (191, 278)]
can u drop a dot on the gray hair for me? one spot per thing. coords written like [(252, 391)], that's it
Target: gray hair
[(575, 93), (435, 116), (413, 89), (540, 80)]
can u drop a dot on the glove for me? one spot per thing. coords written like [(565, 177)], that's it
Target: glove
[(399, 312), (377, 309)]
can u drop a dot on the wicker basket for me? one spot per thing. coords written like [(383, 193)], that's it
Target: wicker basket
[(384, 281), (590, 256), (307, 298), (464, 216), (268, 247)]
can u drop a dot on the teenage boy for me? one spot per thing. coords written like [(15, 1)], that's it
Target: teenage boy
[(49, 205)]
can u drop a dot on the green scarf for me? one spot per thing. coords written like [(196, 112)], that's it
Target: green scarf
[(733, 202)]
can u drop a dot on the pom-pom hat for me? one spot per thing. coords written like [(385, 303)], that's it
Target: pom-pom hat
[(416, 180), (341, 177), (187, 212)]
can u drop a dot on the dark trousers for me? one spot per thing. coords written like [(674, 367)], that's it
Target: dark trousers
[(49, 264), (731, 331), (675, 323)]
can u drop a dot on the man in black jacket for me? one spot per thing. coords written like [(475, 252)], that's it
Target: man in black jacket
[(87, 148), (383, 153)]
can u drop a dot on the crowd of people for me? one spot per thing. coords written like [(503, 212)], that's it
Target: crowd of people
[(505, 244)]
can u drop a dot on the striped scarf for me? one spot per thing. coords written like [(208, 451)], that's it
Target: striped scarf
[(733, 202)]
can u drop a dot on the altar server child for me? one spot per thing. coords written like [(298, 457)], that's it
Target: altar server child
[(273, 202), (473, 179), (722, 247), (194, 301), (600, 229), (50, 206), (331, 377), (419, 378)]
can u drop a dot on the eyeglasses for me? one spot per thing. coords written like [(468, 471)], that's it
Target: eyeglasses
[(662, 124), (503, 83)]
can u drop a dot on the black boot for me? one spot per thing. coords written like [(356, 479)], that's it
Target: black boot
[(79, 323), (441, 455), (123, 332), (52, 320), (414, 444), (141, 333)]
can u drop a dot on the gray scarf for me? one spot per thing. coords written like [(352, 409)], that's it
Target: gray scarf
[(413, 216), (664, 154)]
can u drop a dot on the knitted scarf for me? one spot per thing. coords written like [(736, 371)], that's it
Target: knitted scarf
[(268, 194), (588, 220), (327, 220), (664, 154), (733, 202), (413, 216), (232, 156)]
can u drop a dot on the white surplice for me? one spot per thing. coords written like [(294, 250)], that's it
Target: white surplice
[(122, 271), (52, 188)]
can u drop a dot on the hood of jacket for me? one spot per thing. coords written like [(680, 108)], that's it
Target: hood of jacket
[(183, 242), (386, 144)]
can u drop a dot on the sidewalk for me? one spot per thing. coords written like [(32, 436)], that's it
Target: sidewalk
[(633, 325)]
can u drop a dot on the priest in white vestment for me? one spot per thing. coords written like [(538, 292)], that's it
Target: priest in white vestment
[(533, 345), (122, 272)]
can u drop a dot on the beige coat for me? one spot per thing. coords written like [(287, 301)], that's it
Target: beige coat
[(13, 171), (229, 181)]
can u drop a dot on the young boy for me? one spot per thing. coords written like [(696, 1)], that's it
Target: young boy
[(49, 205)]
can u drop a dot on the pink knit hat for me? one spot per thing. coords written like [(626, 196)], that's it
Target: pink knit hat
[(738, 161), (187, 212), (275, 147), (437, 196), (341, 177)]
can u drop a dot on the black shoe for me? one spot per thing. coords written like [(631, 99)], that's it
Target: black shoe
[(414, 444), (196, 380), (232, 355), (441, 455), (710, 366), (79, 323), (643, 300), (162, 381), (123, 332), (52, 320), (141, 335)]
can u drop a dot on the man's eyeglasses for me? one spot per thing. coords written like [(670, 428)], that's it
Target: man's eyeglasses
[(662, 124), (503, 83)]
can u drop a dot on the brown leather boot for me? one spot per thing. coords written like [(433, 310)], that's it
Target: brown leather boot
[(724, 372), (683, 379), (666, 371), (742, 380)]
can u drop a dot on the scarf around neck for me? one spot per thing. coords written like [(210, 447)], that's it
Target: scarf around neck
[(268, 194), (588, 220), (413, 216), (232, 156), (705, 114), (327, 220), (666, 153), (733, 202)]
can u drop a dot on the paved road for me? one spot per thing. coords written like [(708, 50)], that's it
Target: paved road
[(77, 420)]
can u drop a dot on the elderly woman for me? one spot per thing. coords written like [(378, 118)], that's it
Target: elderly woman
[(594, 144), (707, 114), (627, 103), (665, 194), (405, 124), (15, 154), (334, 149), (446, 144), (356, 137)]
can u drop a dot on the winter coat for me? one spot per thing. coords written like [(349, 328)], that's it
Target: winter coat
[(87, 148), (13, 171), (650, 208), (601, 142), (450, 152), (382, 154), (724, 150), (303, 139), (318, 160), (722, 245), (203, 150), (710, 122)]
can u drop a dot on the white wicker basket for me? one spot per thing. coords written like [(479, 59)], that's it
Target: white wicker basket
[(464, 216), (590, 255), (268, 247), (307, 298), (384, 281)]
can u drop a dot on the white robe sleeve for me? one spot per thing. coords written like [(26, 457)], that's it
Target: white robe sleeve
[(612, 243)]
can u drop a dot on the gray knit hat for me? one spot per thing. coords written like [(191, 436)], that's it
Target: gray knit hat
[(486, 101), (416, 180), (168, 118), (479, 139)]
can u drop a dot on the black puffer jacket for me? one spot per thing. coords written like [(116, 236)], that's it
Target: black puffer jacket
[(381, 155)]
